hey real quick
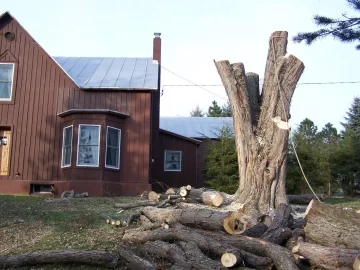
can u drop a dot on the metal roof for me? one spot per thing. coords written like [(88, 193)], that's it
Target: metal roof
[(111, 72), (195, 127)]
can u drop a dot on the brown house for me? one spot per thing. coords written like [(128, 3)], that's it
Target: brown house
[(85, 123)]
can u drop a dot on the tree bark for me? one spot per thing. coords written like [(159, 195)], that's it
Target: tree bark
[(332, 226), (88, 257), (278, 232), (134, 261), (261, 144), (329, 258)]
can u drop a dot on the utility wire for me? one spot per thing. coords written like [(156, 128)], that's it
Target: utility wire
[(194, 84)]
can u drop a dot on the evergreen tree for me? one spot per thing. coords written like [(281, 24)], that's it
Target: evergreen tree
[(197, 112), (226, 110), (347, 157), (327, 142), (305, 139), (214, 110), (345, 30), (221, 163)]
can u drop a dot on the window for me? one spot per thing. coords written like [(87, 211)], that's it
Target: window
[(172, 162), (36, 188), (112, 155), (67, 147), (6, 80), (88, 146)]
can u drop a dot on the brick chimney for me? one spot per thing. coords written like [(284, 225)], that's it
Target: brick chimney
[(155, 153), (157, 47)]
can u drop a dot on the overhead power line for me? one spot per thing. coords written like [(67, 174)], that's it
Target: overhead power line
[(202, 86)]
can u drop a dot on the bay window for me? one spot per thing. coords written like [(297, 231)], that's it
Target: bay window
[(88, 146)]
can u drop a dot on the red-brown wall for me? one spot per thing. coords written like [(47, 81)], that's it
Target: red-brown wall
[(187, 176), (41, 90)]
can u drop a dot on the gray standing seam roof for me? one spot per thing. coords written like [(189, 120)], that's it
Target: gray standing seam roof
[(111, 72), (195, 127)]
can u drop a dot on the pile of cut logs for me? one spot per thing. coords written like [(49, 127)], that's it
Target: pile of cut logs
[(190, 228)]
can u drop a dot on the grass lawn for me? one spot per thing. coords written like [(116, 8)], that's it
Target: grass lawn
[(62, 225), (344, 202)]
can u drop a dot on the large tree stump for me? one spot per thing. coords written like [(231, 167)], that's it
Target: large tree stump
[(332, 226), (261, 144)]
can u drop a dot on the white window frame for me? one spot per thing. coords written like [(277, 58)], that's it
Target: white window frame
[(78, 146), (118, 165), (172, 151), (12, 81), (71, 148)]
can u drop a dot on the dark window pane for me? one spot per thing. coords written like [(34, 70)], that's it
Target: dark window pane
[(67, 156), (112, 157), (113, 137)]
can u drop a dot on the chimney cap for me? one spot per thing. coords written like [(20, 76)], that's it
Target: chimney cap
[(156, 34)]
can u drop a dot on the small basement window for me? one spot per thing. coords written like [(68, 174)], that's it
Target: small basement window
[(40, 188), (172, 161), (6, 81)]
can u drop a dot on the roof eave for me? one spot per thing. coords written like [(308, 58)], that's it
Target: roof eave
[(180, 136), (92, 111)]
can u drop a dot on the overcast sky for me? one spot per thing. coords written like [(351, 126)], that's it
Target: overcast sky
[(194, 32)]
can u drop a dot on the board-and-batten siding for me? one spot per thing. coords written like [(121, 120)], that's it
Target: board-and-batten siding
[(187, 176), (41, 90)]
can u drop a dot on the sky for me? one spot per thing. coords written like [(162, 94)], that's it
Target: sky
[(196, 32)]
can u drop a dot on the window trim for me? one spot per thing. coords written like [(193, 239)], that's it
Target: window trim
[(71, 146), (106, 145), (78, 145), (174, 151), (12, 81)]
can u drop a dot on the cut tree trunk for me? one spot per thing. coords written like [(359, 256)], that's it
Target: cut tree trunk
[(232, 258), (332, 226), (278, 232), (329, 258), (204, 218), (261, 144), (88, 257)]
